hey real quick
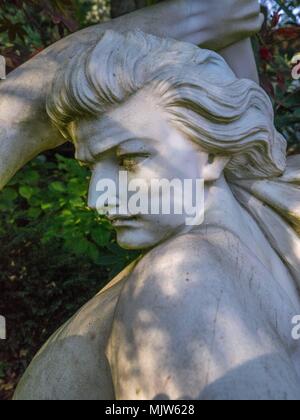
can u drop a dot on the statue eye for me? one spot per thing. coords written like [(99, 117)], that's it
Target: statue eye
[(130, 162)]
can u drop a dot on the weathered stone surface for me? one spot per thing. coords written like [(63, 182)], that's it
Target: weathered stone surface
[(207, 312)]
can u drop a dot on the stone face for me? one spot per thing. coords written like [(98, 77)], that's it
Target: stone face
[(207, 312)]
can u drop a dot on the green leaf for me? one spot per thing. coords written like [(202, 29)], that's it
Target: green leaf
[(296, 113), (26, 192), (34, 213), (9, 194), (93, 253), (101, 236), (58, 187), (31, 177), (46, 206), (76, 202), (80, 246)]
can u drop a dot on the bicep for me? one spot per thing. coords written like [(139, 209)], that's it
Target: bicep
[(163, 332)]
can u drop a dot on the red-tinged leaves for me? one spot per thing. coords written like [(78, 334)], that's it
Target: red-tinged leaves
[(267, 85), (13, 60), (47, 19), (281, 81), (278, 42), (70, 24), (275, 19), (288, 33), (266, 54), (61, 13), (36, 52), (56, 19)]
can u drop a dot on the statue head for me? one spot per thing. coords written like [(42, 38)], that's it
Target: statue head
[(161, 108)]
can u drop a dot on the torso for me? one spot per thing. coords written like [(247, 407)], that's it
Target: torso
[(74, 364)]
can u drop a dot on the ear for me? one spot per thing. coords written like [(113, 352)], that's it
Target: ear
[(213, 166)]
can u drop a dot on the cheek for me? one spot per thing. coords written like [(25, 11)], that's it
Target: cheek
[(188, 166), (177, 166), (146, 170)]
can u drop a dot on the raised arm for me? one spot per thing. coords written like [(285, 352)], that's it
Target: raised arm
[(25, 130), (240, 57)]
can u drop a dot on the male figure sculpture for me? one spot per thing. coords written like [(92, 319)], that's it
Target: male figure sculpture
[(206, 312)]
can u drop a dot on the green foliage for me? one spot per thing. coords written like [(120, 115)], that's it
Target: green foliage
[(28, 26), (47, 200)]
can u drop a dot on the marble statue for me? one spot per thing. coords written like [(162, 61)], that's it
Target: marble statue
[(206, 312)]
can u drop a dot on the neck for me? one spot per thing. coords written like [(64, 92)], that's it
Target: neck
[(222, 210)]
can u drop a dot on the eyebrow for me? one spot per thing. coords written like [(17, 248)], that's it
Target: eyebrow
[(131, 146), (127, 146)]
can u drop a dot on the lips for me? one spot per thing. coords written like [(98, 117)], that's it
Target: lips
[(123, 221), (120, 217)]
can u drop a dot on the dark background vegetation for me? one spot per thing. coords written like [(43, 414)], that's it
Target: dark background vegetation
[(55, 253)]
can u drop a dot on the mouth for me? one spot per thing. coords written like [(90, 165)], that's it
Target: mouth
[(123, 221)]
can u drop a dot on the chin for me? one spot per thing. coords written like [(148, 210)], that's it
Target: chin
[(136, 239)]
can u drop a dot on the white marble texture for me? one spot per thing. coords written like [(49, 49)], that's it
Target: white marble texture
[(207, 312)]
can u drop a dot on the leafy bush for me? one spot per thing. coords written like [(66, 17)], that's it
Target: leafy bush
[(277, 43), (28, 26), (47, 201)]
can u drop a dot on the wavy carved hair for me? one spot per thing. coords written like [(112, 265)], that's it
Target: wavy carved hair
[(205, 100)]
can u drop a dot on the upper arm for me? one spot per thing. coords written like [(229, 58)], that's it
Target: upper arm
[(166, 322), (191, 323)]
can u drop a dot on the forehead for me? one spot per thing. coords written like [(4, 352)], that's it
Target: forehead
[(139, 118)]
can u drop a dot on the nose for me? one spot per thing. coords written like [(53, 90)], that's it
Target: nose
[(105, 176)]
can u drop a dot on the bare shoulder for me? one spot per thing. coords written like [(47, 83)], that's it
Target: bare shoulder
[(190, 271), (188, 257), (169, 314), (188, 305)]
